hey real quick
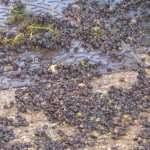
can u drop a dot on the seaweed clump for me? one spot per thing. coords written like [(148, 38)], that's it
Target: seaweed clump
[(33, 29), (92, 23)]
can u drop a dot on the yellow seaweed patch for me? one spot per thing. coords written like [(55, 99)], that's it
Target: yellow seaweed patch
[(79, 114), (11, 20), (133, 21), (53, 69), (40, 28), (8, 68), (127, 118), (96, 28), (22, 11), (17, 39)]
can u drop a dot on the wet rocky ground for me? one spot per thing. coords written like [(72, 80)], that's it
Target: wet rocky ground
[(39, 120), (75, 76)]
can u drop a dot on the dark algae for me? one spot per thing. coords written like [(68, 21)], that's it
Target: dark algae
[(90, 39)]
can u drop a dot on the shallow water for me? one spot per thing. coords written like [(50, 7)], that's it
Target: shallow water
[(62, 56)]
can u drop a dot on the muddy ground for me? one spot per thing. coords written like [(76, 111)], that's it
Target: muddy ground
[(38, 120)]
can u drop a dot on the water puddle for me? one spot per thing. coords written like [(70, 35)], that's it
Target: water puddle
[(122, 61)]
